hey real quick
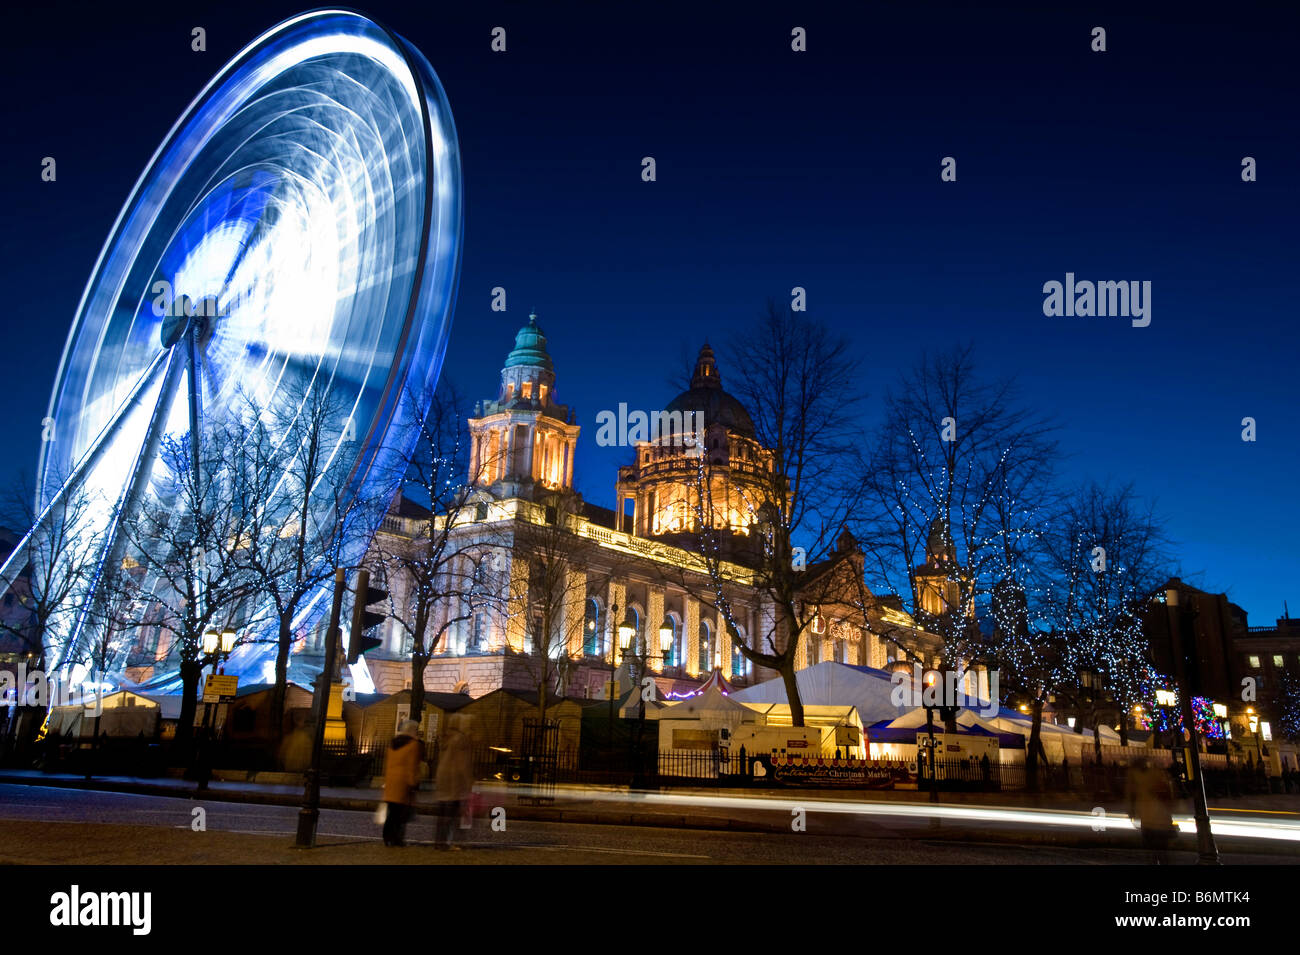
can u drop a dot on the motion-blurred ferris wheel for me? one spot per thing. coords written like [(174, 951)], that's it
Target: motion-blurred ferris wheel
[(299, 228)]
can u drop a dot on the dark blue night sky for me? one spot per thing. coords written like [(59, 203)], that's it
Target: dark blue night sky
[(778, 169)]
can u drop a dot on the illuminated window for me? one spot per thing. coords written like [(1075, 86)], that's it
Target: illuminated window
[(673, 652), (705, 661), (592, 644), (1253, 662), (1277, 660), (541, 393), (526, 390), (739, 665), (510, 391)]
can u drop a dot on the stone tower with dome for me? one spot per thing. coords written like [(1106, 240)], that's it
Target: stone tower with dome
[(719, 478), (523, 441)]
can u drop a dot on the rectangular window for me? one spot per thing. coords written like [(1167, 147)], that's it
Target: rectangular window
[(1253, 662), (526, 389), (1278, 661)]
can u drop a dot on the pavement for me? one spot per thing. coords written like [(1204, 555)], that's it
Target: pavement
[(988, 818), (74, 829)]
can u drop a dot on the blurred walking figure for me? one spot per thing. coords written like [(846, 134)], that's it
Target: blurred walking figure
[(454, 781), (401, 777), (1150, 798)]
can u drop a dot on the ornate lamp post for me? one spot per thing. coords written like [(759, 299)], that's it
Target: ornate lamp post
[(217, 647)]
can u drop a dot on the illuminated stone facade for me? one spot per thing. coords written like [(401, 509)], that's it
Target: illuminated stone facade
[(634, 583)]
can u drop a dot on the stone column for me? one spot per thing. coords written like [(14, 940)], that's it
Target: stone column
[(517, 622), (692, 636), (724, 644), (655, 616), (617, 596), (575, 605)]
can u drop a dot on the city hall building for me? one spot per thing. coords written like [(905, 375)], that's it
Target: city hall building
[(633, 583)]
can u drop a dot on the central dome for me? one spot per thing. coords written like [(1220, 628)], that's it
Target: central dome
[(706, 395)]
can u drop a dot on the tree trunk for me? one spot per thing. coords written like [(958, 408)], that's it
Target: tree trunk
[(1035, 745), (792, 690), (418, 662), (278, 693), (541, 699), (1123, 728), (190, 673)]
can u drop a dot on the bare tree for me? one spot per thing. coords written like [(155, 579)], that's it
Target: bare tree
[(189, 536), (954, 481), (553, 601), (303, 515), (52, 568), (437, 580), (800, 385), (1110, 555)]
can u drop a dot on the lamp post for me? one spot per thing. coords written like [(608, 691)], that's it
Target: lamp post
[(927, 701), (1207, 852), (621, 634), (1167, 702), (217, 647), (1221, 717), (1253, 722)]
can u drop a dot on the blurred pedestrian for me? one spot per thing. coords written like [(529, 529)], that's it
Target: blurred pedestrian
[(401, 777), (1150, 798), (454, 782)]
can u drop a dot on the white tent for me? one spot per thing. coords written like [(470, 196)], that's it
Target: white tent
[(832, 684), (870, 691), (712, 706)]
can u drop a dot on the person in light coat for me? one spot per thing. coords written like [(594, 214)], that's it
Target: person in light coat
[(454, 782)]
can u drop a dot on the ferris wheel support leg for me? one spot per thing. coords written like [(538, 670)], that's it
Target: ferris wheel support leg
[(17, 559), (129, 502)]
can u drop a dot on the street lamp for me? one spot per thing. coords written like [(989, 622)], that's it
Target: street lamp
[(1252, 721), (626, 630), (927, 699), (666, 633)]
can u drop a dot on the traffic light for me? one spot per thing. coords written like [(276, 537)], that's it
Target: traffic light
[(363, 618)]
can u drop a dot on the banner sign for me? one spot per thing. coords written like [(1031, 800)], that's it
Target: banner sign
[(853, 773)]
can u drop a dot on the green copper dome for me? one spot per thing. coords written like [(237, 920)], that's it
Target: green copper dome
[(530, 347)]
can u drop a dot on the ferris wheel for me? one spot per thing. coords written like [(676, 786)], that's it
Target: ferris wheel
[(298, 228)]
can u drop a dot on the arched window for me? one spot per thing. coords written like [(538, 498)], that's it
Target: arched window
[(739, 664), (592, 636), (706, 647), (476, 638), (673, 655)]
